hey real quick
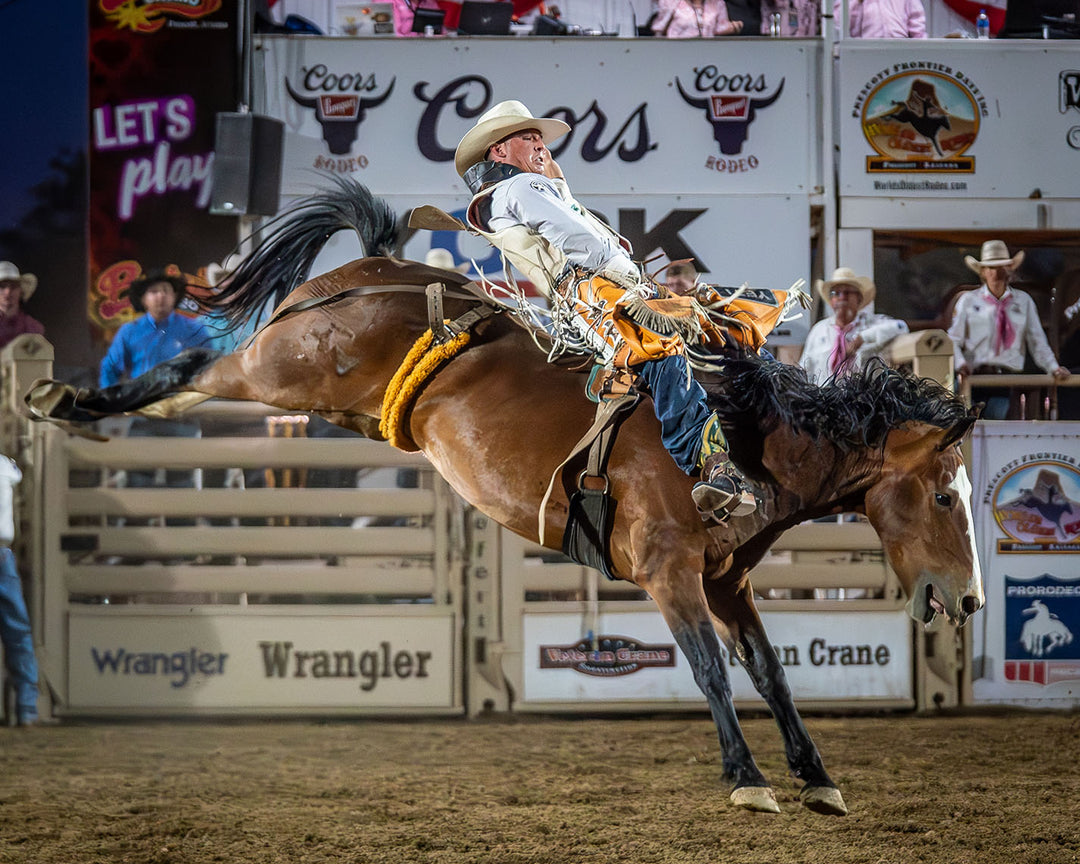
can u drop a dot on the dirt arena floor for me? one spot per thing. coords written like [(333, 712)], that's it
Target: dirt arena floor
[(955, 789)]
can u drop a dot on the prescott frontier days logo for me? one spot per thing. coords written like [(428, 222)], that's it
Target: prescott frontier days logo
[(920, 117), (1038, 506)]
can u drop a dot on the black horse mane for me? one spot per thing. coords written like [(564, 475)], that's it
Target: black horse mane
[(289, 243), (858, 410)]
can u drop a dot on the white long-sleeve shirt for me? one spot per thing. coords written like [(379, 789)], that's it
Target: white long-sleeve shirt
[(876, 332), (546, 206), (975, 322)]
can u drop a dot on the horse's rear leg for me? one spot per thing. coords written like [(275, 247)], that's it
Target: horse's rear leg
[(740, 616), (683, 607), (58, 401)]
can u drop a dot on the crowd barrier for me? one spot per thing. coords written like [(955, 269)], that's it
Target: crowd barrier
[(302, 575)]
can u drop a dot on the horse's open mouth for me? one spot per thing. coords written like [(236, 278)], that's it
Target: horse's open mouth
[(933, 605)]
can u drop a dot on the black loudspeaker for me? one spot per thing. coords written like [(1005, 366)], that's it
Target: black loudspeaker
[(247, 165)]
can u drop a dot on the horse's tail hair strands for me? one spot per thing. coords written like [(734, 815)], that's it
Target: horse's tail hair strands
[(287, 246)]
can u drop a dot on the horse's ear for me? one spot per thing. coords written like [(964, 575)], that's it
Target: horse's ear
[(959, 429)]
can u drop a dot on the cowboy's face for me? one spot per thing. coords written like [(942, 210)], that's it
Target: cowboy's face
[(996, 279), (844, 300), (525, 150), (10, 297), (159, 300)]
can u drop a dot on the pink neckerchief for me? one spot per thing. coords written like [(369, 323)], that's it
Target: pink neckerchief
[(838, 359), (1004, 332)]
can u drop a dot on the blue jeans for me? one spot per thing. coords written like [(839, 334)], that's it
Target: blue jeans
[(680, 407), (18, 641)]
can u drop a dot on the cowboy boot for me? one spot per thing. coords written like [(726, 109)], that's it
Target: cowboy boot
[(722, 492)]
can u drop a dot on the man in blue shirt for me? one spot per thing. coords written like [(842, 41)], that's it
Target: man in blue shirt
[(158, 335)]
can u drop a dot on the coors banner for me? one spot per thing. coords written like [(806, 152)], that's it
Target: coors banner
[(159, 73)]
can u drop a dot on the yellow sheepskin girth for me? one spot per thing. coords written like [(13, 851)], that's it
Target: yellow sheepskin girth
[(414, 370)]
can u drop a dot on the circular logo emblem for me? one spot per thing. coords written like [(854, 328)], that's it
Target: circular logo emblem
[(1039, 503), (920, 117)]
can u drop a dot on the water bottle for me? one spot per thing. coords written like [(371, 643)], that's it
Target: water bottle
[(982, 25)]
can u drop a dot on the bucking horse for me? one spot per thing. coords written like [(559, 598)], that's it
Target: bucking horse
[(358, 347)]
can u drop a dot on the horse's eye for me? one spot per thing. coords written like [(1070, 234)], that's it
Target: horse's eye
[(942, 499)]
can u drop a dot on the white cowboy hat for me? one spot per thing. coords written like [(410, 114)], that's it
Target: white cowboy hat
[(27, 281), (994, 254), (846, 276), (497, 123), (441, 258)]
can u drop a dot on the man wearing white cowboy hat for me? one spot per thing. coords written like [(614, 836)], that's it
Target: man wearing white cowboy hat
[(15, 288), (523, 206), (842, 343), (994, 326)]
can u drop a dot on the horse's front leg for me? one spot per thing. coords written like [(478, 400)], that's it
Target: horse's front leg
[(682, 603), (737, 612)]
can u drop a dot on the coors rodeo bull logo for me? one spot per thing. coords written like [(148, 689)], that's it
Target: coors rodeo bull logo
[(340, 103), (730, 103)]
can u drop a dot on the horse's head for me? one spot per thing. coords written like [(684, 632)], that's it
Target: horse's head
[(921, 509)]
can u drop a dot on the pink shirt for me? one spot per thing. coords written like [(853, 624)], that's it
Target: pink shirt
[(678, 19), (884, 19)]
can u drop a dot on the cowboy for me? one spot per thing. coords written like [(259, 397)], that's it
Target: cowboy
[(156, 336), (15, 289), (843, 343), (523, 206), (995, 325)]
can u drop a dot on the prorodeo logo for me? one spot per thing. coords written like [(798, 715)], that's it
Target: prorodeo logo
[(921, 118), (730, 103), (1038, 506), (149, 16), (612, 656), (339, 106)]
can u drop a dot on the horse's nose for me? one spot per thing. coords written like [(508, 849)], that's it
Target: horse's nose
[(970, 604)]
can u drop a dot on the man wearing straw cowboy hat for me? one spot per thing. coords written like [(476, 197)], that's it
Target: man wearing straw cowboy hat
[(843, 343), (15, 289), (995, 325), (596, 292)]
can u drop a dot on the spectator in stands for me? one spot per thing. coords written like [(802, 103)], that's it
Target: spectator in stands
[(681, 278), (686, 19), (746, 13), (884, 19), (15, 289), (405, 13), (438, 256), (159, 334), (14, 621), (796, 17), (843, 343), (995, 325)]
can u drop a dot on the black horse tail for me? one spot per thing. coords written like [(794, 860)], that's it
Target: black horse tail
[(289, 243)]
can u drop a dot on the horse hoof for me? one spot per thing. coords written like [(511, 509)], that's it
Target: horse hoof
[(49, 399), (823, 799), (759, 798)]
